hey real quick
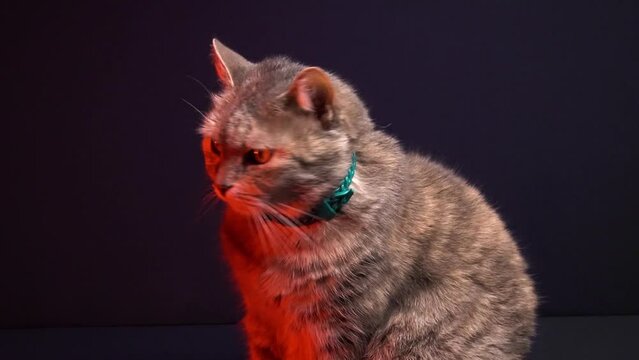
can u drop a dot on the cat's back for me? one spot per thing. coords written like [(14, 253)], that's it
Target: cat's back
[(459, 231), (465, 260)]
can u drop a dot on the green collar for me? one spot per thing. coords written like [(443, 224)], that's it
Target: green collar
[(330, 206)]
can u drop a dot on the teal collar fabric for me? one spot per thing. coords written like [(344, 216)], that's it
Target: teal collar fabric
[(330, 206)]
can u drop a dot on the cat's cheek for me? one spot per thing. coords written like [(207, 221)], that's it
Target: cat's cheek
[(211, 165), (210, 171)]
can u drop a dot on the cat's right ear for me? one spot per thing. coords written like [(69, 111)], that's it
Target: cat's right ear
[(229, 65), (312, 91)]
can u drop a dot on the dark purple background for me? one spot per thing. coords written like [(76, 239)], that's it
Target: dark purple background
[(536, 104)]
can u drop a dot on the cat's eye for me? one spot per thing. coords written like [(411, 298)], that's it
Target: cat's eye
[(259, 156), (215, 147)]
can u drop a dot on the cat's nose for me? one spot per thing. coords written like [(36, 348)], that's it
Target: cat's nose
[(223, 188)]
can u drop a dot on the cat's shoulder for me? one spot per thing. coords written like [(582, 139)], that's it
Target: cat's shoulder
[(425, 167)]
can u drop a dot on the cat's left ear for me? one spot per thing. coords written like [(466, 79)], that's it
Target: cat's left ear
[(229, 65), (312, 91)]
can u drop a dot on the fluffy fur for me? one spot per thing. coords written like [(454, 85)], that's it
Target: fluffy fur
[(416, 266)]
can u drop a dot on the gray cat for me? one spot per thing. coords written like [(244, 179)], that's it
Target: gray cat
[(342, 244)]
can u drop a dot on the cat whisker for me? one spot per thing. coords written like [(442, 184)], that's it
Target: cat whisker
[(198, 110), (286, 223), (209, 200), (293, 224), (259, 229), (201, 84), (271, 233), (300, 211), (274, 232)]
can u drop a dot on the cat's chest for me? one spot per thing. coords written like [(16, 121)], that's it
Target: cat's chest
[(293, 295), (295, 309)]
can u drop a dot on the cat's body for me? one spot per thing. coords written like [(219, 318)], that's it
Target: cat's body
[(415, 266)]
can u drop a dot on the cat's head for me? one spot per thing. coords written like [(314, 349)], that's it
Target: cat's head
[(279, 134)]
